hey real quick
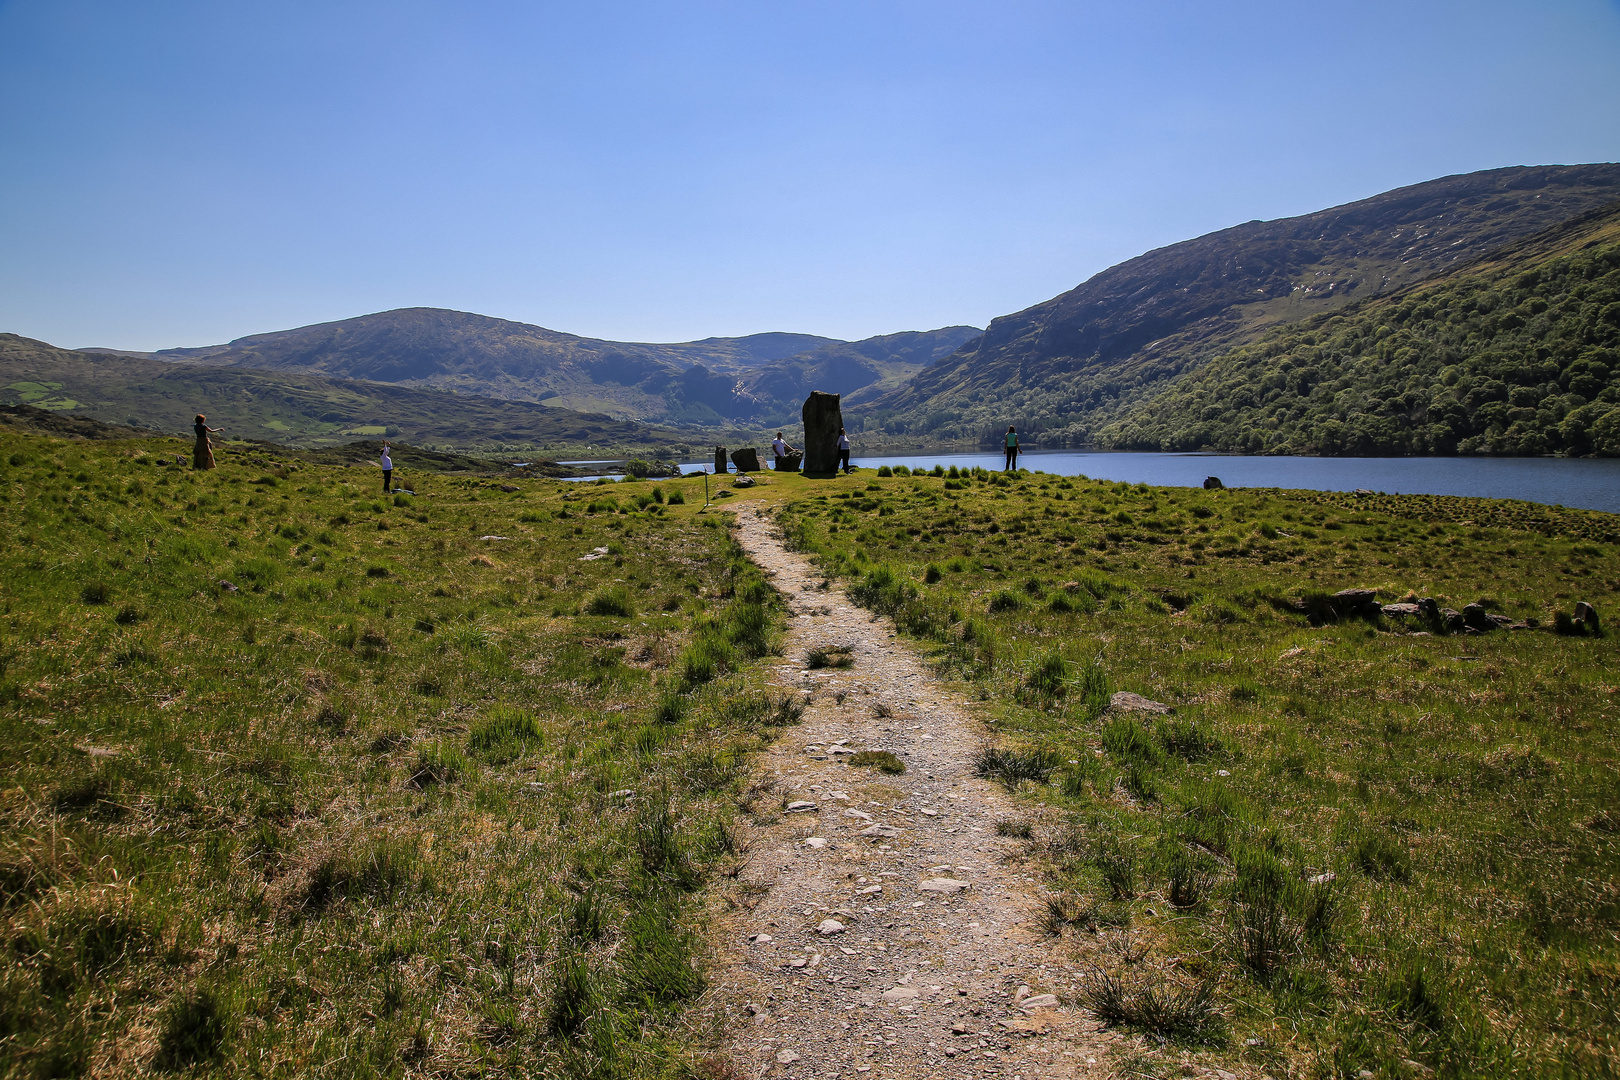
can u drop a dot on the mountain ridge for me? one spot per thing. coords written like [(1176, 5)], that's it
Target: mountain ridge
[(712, 382), (1062, 368)]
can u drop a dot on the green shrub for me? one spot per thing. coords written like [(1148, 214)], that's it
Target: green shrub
[(194, 1028), (615, 600), (1005, 600), (881, 760), (504, 733), (437, 763)]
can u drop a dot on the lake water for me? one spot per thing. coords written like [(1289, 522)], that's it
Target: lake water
[(1588, 483)]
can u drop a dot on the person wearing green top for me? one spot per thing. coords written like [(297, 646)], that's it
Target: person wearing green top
[(1012, 448)]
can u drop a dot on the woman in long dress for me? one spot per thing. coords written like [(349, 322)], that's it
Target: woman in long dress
[(202, 454)]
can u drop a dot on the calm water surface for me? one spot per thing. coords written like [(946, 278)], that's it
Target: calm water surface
[(1588, 483)]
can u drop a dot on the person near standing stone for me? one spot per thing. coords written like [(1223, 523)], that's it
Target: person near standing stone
[(387, 464), (780, 448), (1012, 448), (843, 450), (202, 453)]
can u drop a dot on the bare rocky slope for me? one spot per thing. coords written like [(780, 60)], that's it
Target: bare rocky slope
[(1063, 368)]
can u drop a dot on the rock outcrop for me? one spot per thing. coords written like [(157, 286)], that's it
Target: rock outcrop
[(822, 419)]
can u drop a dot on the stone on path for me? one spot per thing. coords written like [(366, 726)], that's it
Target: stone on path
[(786, 1057), (901, 993), (880, 830), (943, 885), (1039, 1001), (829, 927), (815, 843), (800, 806)]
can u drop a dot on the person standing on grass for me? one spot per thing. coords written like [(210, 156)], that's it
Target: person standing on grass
[(202, 454), (1012, 448), (843, 450), (781, 449), (387, 468)]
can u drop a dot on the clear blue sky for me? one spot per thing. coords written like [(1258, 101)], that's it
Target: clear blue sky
[(181, 173)]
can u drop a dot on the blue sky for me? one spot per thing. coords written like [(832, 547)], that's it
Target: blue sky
[(182, 173)]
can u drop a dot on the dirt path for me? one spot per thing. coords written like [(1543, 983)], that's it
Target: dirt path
[(887, 930)]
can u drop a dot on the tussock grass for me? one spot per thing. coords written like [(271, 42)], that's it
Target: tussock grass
[(1337, 794), (300, 754)]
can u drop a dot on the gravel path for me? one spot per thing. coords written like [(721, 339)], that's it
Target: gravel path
[(884, 928)]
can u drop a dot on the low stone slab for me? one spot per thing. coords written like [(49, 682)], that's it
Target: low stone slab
[(943, 885), (1125, 701)]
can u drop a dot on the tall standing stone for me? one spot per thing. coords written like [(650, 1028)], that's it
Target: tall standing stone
[(822, 419), (720, 463)]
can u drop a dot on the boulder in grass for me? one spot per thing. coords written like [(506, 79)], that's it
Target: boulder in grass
[(1586, 615), (1408, 610), (746, 459), (1125, 701), (1213, 483), (1356, 602)]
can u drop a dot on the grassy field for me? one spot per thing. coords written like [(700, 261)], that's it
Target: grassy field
[(1358, 845), (303, 780)]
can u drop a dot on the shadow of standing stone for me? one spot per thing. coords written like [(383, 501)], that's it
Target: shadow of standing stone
[(822, 419)]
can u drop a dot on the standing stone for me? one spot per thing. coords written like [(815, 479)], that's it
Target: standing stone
[(746, 459), (720, 465), (822, 419), (1587, 616)]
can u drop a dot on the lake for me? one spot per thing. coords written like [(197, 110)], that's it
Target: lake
[(1588, 483)]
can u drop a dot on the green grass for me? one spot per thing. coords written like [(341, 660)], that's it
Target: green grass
[(1357, 842), (301, 782)]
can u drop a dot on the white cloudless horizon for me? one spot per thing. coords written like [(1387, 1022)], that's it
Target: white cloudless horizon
[(182, 173)]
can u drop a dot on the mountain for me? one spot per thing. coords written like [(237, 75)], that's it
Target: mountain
[(1061, 370), (710, 382), (293, 408), (1518, 353)]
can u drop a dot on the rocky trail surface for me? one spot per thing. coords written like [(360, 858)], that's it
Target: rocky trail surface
[(883, 928)]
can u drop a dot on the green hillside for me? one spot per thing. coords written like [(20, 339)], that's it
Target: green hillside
[(295, 409), (1517, 355), (710, 383), (1064, 369)]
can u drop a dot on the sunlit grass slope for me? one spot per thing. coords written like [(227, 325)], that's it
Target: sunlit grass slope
[(302, 780), (1350, 847)]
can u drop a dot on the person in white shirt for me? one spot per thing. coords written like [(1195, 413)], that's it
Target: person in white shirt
[(780, 448), (843, 450), (388, 470)]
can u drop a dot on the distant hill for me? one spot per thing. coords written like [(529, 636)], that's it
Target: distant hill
[(1063, 369), (294, 409), (1516, 354), (713, 382)]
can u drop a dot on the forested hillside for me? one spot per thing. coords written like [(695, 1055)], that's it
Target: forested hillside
[(1519, 355)]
